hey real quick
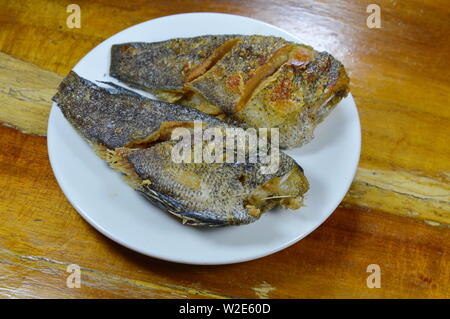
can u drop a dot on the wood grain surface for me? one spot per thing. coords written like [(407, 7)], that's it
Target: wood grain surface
[(396, 214)]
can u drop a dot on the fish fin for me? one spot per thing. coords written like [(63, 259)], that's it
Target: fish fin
[(177, 209), (118, 89)]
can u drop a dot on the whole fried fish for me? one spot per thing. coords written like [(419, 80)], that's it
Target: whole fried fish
[(117, 117), (209, 194), (132, 133), (262, 81)]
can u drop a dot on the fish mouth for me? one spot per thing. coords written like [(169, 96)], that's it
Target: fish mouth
[(278, 191)]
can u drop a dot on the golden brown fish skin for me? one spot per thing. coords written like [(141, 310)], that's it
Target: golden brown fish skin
[(118, 117), (297, 97), (162, 66), (215, 194), (224, 84), (264, 81)]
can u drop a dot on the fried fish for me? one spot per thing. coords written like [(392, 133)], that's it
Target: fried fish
[(133, 134), (116, 117), (262, 81), (209, 194)]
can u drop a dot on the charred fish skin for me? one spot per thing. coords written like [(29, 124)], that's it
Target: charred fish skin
[(224, 192), (118, 117), (162, 65)]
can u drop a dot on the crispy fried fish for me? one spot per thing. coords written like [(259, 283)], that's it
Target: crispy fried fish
[(172, 63), (117, 117), (133, 134), (263, 81), (210, 194)]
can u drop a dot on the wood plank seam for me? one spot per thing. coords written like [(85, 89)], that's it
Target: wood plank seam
[(100, 276), (402, 193)]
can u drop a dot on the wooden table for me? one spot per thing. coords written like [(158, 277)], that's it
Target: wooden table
[(396, 215)]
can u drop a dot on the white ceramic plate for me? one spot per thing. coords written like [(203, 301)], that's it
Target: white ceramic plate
[(102, 197)]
